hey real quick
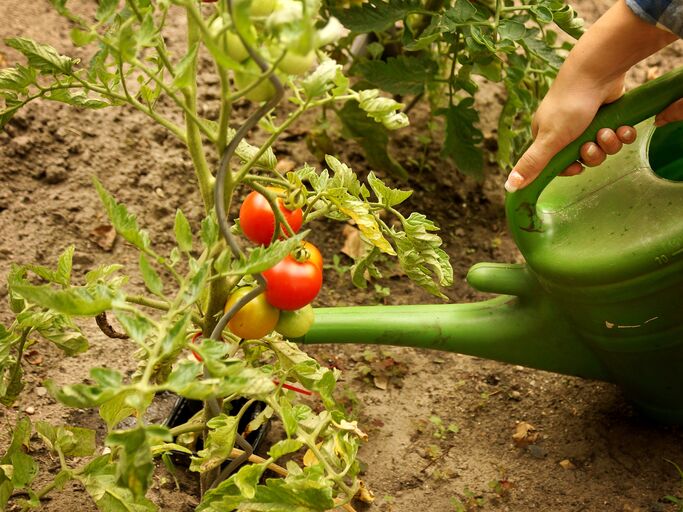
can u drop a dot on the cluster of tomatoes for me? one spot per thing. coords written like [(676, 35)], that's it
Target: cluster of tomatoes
[(291, 285)]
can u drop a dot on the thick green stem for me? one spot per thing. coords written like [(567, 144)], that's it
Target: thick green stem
[(194, 136)]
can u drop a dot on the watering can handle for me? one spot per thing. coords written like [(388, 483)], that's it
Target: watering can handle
[(635, 106)]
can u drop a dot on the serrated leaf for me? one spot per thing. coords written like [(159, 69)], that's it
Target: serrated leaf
[(124, 222), (367, 223), (42, 57), (542, 14), (364, 266), (75, 301), (567, 19), (115, 410), (321, 79), (108, 383), (541, 49), (184, 72), (136, 325), (75, 98), (99, 480), (383, 110), (246, 152), (284, 447), (81, 37), (17, 79), (462, 11), (463, 138), (404, 74), (183, 232), (135, 465), (376, 15), (106, 9), (511, 29), (247, 478), (262, 258), (150, 276), (218, 445), (209, 231), (420, 254), (386, 195)]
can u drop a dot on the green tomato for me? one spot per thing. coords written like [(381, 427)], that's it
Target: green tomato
[(233, 44), (295, 64), (294, 324), (244, 78), (261, 8)]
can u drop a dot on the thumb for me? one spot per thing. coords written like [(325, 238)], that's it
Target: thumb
[(673, 112), (530, 164)]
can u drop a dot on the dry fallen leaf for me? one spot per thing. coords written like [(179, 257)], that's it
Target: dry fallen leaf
[(567, 464), (364, 494), (525, 434), (353, 244), (285, 165), (34, 357), (380, 382), (104, 236)]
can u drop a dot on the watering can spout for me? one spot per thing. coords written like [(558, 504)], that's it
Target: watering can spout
[(519, 327)]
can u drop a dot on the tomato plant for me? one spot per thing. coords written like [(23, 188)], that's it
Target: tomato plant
[(257, 218), (292, 284), (211, 280)]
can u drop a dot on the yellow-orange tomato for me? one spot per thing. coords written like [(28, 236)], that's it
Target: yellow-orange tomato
[(256, 318)]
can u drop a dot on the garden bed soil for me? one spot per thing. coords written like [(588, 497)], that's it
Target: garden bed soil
[(440, 425)]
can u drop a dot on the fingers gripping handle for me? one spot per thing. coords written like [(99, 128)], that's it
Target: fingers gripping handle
[(635, 106)]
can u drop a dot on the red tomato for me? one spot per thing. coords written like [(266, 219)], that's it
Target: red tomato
[(313, 254), (292, 284), (258, 220), (194, 340)]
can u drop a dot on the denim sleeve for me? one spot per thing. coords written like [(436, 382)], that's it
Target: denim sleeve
[(666, 14)]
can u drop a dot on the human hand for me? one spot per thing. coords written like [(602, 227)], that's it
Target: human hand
[(563, 115)]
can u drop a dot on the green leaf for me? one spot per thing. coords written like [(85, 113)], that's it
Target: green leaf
[(106, 9), (463, 138), (542, 14), (75, 98), (541, 49), (372, 137), (108, 383), (17, 79), (135, 465), (567, 19), (82, 37), (71, 441), (42, 57), (183, 232), (376, 15), (125, 223), (511, 29), (247, 478), (399, 75), (327, 74), (174, 340), (25, 469), (364, 265), (246, 152), (136, 325), (218, 444), (184, 71), (57, 328), (386, 195), (115, 410), (234, 377), (420, 254), (462, 11), (197, 283), (262, 258), (284, 447), (209, 231), (383, 110), (150, 276), (100, 480), (360, 213), (75, 301)]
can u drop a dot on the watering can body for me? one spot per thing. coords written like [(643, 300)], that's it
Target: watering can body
[(601, 293)]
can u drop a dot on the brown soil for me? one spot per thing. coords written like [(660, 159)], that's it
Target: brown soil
[(619, 460)]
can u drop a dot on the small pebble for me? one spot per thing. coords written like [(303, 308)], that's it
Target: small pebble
[(41, 391), (567, 464), (30, 410)]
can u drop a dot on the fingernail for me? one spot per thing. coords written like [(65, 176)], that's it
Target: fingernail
[(514, 181), (605, 136), (592, 150), (629, 133), (659, 122)]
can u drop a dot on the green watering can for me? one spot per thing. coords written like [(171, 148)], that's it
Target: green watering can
[(601, 293)]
